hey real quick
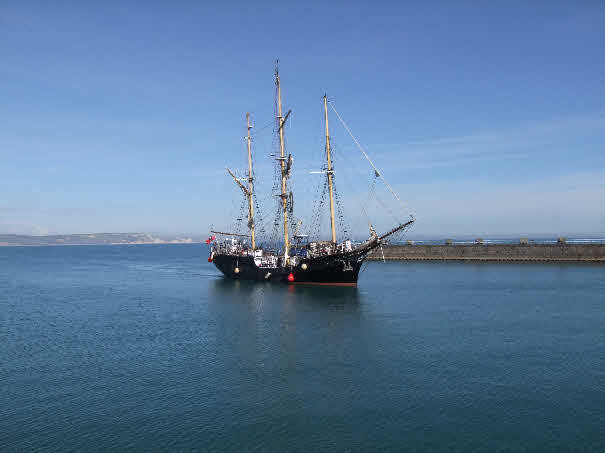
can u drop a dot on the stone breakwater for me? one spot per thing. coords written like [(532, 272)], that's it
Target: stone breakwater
[(492, 252)]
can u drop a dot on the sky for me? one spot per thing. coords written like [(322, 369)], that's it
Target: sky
[(487, 118)]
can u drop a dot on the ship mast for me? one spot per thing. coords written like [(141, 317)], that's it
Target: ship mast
[(248, 191), (284, 169), (250, 187), (330, 173)]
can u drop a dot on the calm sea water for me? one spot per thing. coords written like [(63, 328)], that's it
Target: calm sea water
[(147, 348)]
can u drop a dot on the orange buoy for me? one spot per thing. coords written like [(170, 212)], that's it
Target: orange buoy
[(291, 277)]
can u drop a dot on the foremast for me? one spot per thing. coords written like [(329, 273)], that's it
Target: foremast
[(330, 172), (248, 191)]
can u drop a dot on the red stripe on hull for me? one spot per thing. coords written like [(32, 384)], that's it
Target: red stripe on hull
[(322, 283)]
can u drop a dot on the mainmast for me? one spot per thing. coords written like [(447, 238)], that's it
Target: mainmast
[(330, 172), (284, 167), (250, 187)]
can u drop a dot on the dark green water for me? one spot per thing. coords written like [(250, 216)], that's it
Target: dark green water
[(147, 348)]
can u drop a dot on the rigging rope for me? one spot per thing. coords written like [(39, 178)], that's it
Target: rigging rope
[(352, 185), (343, 224), (377, 173), (317, 213)]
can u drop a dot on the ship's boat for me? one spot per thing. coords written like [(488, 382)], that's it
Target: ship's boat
[(299, 261)]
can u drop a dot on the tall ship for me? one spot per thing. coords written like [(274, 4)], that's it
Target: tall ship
[(296, 259)]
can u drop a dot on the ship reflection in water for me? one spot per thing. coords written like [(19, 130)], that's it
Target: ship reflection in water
[(344, 298)]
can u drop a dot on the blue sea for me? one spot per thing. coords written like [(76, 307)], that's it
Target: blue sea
[(147, 348)]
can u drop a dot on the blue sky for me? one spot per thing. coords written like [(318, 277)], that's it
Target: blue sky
[(121, 116)]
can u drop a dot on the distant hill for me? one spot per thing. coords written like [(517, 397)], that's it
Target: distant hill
[(91, 239)]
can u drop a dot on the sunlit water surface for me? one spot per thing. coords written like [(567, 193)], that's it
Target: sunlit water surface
[(147, 348)]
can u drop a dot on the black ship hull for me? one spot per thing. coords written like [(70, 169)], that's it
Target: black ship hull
[(341, 269), (244, 268)]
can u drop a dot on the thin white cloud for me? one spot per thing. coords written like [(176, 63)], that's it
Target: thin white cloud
[(565, 204), (514, 143), (23, 228), (533, 131)]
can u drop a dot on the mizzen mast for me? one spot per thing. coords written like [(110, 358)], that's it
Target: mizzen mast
[(285, 167), (250, 185), (330, 173)]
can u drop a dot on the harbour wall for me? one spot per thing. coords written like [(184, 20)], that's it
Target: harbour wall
[(492, 252)]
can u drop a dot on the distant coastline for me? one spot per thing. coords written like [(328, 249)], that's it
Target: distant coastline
[(13, 240)]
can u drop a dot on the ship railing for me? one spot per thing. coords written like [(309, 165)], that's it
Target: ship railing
[(324, 248)]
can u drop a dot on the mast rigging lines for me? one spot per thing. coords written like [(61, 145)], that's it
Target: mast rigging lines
[(376, 171), (285, 210)]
